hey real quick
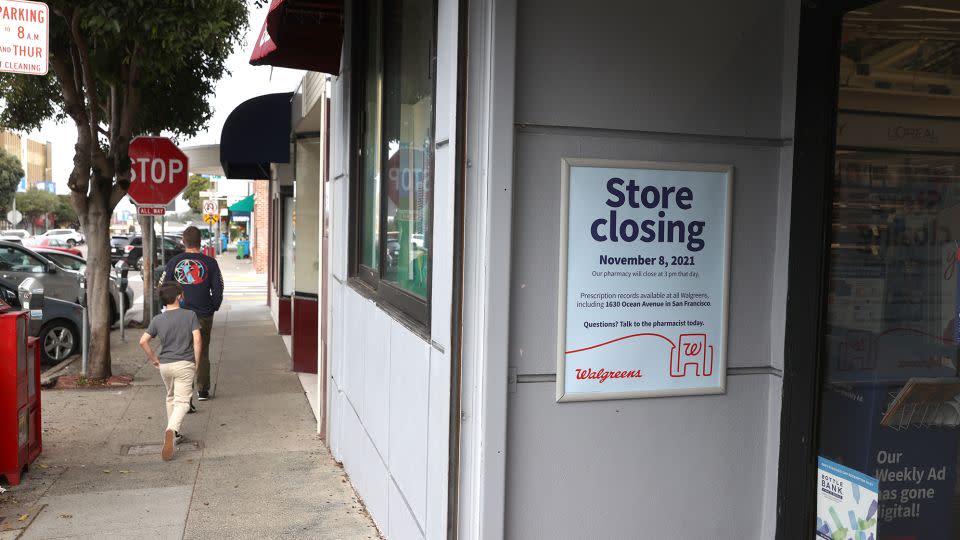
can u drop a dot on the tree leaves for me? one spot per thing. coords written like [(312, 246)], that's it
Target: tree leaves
[(37, 202), (11, 171)]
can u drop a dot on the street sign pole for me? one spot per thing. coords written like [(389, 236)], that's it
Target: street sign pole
[(163, 236), (159, 173)]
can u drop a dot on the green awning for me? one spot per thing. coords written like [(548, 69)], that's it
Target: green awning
[(243, 205)]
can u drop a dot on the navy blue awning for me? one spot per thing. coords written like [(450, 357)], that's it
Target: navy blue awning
[(256, 134)]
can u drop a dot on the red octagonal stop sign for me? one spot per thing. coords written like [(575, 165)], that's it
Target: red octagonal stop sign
[(160, 171)]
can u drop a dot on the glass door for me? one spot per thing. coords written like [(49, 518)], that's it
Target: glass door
[(889, 420)]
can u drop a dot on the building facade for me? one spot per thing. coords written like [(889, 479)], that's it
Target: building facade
[(36, 157), (424, 246)]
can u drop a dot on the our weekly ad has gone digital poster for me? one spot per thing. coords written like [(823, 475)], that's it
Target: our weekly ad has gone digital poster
[(644, 278)]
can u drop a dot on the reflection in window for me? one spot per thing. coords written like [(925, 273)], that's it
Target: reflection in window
[(408, 133), (370, 151), (891, 399)]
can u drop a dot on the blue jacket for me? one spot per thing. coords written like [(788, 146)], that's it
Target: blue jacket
[(202, 282)]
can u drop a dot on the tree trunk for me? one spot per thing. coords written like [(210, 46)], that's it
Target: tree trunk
[(96, 227)]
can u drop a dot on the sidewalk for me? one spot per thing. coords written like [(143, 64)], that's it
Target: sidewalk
[(251, 466)]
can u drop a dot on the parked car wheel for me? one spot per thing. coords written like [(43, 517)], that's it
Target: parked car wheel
[(58, 340), (140, 263)]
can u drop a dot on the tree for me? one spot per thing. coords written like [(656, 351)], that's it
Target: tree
[(35, 203), (11, 171), (192, 193), (66, 215), (121, 68)]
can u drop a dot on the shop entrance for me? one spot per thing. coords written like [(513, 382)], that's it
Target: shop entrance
[(876, 437)]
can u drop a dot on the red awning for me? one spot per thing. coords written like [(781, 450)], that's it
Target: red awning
[(301, 34)]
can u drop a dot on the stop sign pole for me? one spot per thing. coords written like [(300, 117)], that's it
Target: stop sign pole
[(159, 172)]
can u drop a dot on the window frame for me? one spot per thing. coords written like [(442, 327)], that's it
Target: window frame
[(371, 281), (811, 199)]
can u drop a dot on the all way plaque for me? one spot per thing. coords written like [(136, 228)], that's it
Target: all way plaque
[(644, 263)]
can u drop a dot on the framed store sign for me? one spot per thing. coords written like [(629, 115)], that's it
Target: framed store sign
[(644, 274)]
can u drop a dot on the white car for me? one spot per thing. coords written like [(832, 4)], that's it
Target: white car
[(71, 236), (15, 235)]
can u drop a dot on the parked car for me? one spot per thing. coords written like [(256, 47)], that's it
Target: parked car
[(58, 330), (117, 243), (54, 243), (71, 236), (74, 263), (15, 235), (171, 248), (17, 263)]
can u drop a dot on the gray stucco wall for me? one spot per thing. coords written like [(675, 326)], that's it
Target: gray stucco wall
[(641, 80)]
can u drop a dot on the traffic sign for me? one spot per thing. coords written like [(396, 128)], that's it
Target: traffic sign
[(211, 218), (159, 171), (24, 39), (210, 207), (14, 217), (151, 211)]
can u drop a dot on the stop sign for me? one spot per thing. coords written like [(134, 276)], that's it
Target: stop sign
[(159, 171)]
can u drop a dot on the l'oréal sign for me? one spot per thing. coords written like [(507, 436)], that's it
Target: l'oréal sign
[(856, 130)]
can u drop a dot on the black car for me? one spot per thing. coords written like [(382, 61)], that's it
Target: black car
[(117, 243), (134, 251)]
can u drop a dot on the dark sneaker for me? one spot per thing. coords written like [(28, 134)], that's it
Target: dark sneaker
[(167, 452), (203, 395), (193, 408), (177, 437)]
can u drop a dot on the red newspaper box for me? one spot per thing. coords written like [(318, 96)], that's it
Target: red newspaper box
[(16, 368), (35, 434)]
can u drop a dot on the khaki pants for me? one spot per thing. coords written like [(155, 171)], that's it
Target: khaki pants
[(178, 378)]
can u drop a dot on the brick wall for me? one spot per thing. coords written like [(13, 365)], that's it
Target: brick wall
[(261, 225)]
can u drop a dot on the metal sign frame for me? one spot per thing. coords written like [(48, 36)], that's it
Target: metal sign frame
[(567, 164)]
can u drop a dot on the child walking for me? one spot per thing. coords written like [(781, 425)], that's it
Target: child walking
[(180, 340)]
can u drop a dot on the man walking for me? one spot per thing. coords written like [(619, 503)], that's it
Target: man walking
[(199, 276)]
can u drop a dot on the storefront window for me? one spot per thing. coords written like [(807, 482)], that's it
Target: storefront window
[(408, 143), (890, 406), (396, 159), (288, 245), (370, 152)]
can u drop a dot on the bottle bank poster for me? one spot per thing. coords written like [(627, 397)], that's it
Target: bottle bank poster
[(644, 259), (847, 502)]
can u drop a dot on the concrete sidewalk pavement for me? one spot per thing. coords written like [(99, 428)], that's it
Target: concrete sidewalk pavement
[(251, 466)]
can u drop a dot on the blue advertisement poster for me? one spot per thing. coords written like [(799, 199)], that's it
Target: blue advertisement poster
[(877, 429), (643, 279), (847, 503)]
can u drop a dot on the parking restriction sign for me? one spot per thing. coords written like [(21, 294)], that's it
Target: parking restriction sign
[(210, 207), (24, 37)]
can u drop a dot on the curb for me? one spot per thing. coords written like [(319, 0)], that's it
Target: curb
[(49, 377)]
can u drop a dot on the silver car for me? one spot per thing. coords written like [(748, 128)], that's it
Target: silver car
[(59, 280), (17, 263), (78, 265), (58, 330)]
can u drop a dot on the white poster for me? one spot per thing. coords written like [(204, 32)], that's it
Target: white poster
[(644, 259)]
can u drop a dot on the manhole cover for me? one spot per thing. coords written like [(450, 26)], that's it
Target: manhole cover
[(149, 449)]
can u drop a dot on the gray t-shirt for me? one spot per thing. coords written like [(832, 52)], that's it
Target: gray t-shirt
[(175, 328)]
